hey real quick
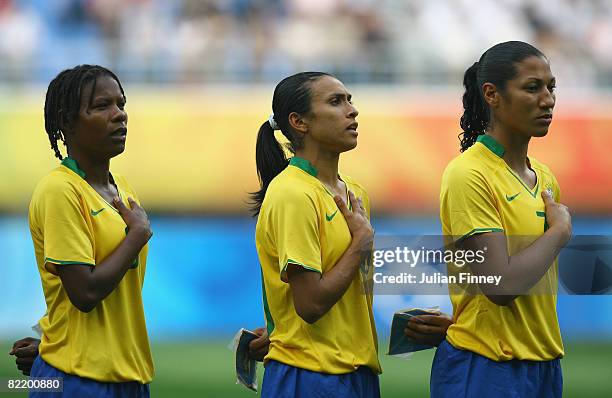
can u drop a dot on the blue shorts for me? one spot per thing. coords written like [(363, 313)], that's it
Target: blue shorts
[(75, 386), (284, 381), (459, 373)]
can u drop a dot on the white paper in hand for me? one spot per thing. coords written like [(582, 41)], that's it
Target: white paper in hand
[(246, 368)]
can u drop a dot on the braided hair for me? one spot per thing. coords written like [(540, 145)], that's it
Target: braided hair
[(63, 100), (497, 65)]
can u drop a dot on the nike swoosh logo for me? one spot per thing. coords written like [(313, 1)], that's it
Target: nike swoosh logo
[(95, 213), (511, 198), (329, 218)]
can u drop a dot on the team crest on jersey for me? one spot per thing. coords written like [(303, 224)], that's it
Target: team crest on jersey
[(365, 269), (550, 189)]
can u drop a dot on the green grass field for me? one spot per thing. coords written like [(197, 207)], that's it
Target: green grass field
[(197, 369)]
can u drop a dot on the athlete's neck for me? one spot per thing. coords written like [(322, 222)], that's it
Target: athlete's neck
[(515, 149), (326, 164), (97, 172)]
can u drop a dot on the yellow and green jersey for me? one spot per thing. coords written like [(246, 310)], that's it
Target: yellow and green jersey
[(71, 223), (479, 194), (299, 223)]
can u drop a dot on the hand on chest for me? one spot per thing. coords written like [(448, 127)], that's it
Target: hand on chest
[(521, 208)]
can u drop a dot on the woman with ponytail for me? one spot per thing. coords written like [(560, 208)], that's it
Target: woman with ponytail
[(505, 340), (314, 242)]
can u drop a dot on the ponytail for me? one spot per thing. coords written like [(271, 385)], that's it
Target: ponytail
[(270, 159), (497, 66), (475, 111), (292, 94)]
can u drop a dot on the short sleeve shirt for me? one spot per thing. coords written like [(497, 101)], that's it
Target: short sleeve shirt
[(299, 223), (481, 194), (71, 223)]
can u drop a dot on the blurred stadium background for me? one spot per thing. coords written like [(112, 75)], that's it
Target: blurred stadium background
[(199, 76)]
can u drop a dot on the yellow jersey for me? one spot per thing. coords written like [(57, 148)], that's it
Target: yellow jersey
[(479, 194), (299, 223), (71, 223)]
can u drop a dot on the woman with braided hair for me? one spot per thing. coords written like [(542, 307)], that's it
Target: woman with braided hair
[(505, 339), (90, 238)]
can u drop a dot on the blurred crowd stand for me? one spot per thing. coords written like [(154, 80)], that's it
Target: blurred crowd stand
[(366, 41)]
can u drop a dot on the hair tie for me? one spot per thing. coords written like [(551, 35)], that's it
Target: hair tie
[(272, 122)]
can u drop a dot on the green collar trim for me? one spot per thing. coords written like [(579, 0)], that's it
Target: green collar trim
[(74, 166), (490, 143), (304, 164)]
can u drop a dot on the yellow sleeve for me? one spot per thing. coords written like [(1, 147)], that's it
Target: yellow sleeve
[(467, 204), (295, 224), (67, 238)]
